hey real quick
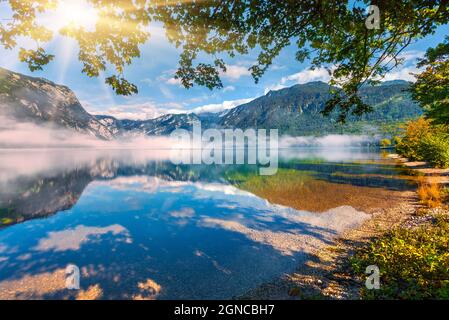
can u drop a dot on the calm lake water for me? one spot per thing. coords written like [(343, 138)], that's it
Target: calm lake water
[(138, 226)]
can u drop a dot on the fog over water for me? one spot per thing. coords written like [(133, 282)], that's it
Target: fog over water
[(15, 134)]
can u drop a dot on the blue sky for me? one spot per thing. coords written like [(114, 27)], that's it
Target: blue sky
[(159, 93)]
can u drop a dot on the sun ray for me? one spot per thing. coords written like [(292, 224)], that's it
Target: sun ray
[(66, 54)]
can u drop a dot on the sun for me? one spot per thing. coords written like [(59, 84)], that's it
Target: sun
[(77, 12)]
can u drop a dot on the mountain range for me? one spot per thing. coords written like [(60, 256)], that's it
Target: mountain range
[(294, 110)]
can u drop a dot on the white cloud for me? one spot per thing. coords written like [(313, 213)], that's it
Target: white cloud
[(405, 73), (166, 92), (228, 88), (173, 105), (198, 99), (274, 87), (147, 81), (139, 111), (235, 72), (309, 75), (151, 110), (411, 56), (168, 78), (304, 76), (225, 105), (408, 68), (402, 72), (276, 67), (173, 82)]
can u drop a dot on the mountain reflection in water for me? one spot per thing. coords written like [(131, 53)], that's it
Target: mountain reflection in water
[(140, 227)]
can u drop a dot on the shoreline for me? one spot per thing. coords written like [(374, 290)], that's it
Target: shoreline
[(327, 274), (432, 175)]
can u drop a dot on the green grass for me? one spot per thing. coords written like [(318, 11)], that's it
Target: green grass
[(445, 195), (281, 176), (6, 221), (8, 216), (414, 263)]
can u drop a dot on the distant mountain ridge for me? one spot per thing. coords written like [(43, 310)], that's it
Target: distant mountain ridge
[(294, 110)]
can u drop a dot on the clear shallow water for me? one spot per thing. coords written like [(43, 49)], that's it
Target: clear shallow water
[(140, 227)]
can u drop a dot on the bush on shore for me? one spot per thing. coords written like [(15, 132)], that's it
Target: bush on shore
[(413, 263), (435, 150), (385, 143), (423, 142), (408, 144), (430, 194)]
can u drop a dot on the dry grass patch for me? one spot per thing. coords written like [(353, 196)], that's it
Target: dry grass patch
[(430, 194)]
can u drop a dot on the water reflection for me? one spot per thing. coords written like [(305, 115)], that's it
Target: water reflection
[(140, 227)]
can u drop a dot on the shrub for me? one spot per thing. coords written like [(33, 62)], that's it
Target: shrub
[(445, 195), (397, 140), (430, 194), (422, 142), (435, 149), (413, 263), (414, 132), (385, 143)]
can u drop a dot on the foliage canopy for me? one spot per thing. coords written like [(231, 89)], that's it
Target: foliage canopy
[(431, 89), (330, 33)]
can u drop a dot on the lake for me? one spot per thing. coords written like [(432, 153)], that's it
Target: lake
[(139, 227)]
